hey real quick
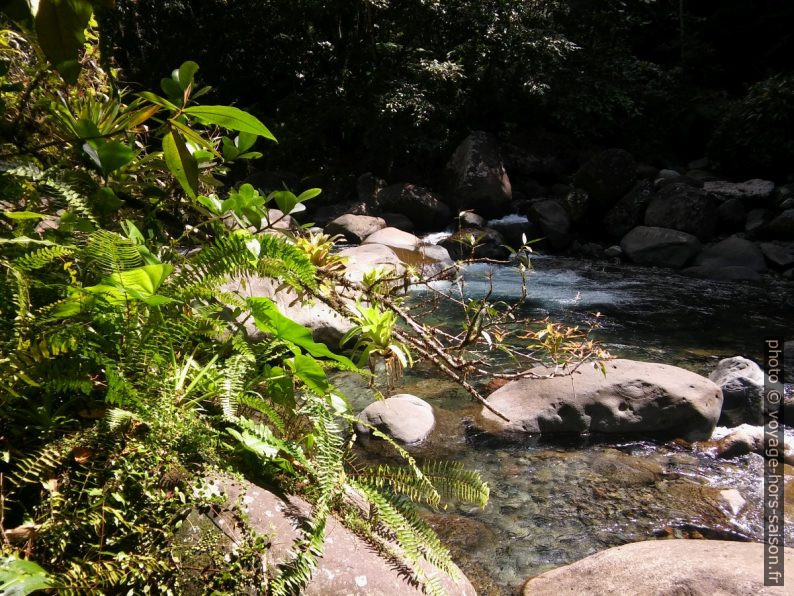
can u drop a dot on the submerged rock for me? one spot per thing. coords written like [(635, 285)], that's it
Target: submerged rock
[(692, 567), (634, 397), (403, 417)]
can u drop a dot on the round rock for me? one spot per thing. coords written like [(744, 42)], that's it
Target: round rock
[(693, 567), (632, 398), (403, 417)]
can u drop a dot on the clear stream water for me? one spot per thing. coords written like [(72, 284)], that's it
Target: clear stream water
[(552, 503)]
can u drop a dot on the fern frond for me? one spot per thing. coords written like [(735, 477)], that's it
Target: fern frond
[(42, 464), (72, 198), (255, 404), (117, 418), (416, 540), (111, 253), (42, 257)]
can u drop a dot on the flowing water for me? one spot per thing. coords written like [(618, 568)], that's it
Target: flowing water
[(552, 503)]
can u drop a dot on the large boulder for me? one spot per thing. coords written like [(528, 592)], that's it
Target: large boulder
[(684, 208), (782, 226), (355, 228), (629, 211), (403, 417), (779, 254), (326, 325), (753, 191), (367, 257), (732, 258), (633, 397), (553, 220), (664, 567), (422, 206), (349, 564), (477, 178), (394, 238), (659, 246), (731, 216), (477, 243), (757, 220), (742, 384), (606, 177)]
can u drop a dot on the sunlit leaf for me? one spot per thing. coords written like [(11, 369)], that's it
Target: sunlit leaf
[(230, 118)]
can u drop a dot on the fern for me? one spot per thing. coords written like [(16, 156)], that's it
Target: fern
[(416, 540), (42, 257), (72, 198), (111, 253)]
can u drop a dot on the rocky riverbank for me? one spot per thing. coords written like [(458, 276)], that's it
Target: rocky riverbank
[(605, 205)]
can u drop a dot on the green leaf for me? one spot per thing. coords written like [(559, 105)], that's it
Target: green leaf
[(157, 100), (143, 280), (308, 370), (230, 150), (270, 320), (23, 215), (60, 27), (140, 283), (309, 194), (172, 89), (230, 118), (114, 155), (19, 577), (212, 203), (259, 443), (244, 141), (186, 73), (106, 200), (181, 163)]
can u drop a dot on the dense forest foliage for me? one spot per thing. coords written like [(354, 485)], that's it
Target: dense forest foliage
[(392, 86)]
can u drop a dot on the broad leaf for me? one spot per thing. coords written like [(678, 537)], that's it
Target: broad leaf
[(270, 320), (181, 163), (114, 155), (186, 73), (230, 118), (60, 26), (308, 370), (19, 577)]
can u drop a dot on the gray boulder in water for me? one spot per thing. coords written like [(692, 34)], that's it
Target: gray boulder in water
[(742, 384), (403, 417), (647, 245), (632, 398)]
